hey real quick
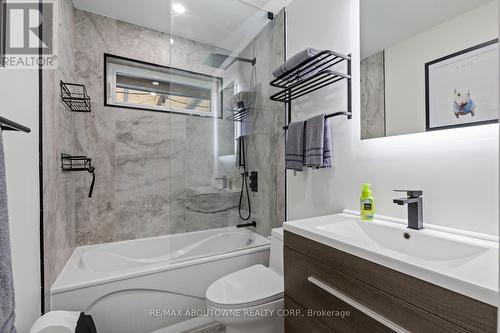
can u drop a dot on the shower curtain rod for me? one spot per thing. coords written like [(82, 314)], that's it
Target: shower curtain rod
[(9, 125)]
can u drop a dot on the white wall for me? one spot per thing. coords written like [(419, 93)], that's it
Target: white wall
[(405, 61), (498, 312), (457, 169), (19, 102)]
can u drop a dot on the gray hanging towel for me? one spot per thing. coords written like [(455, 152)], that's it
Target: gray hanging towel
[(7, 305), (314, 141), (294, 154), (327, 146)]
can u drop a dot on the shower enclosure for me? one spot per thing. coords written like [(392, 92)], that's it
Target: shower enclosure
[(177, 102), (174, 98)]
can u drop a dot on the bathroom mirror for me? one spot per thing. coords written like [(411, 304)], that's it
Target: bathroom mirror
[(427, 65)]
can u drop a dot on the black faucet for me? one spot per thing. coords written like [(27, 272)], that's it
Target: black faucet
[(415, 204)]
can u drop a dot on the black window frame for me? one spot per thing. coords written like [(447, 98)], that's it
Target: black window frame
[(219, 112)]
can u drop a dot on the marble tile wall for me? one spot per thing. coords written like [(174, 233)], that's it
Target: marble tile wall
[(373, 97), (59, 210)]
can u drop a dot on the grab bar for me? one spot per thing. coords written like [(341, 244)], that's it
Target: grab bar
[(9, 125), (370, 313)]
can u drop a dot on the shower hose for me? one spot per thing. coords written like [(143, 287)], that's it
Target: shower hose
[(244, 181)]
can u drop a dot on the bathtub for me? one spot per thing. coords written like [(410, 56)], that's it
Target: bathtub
[(154, 284)]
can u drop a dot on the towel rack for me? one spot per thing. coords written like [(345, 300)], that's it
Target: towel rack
[(9, 125), (312, 74), (336, 114)]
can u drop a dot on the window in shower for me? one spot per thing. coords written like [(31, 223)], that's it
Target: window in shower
[(139, 85)]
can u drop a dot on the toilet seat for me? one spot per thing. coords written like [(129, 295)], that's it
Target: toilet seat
[(249, 287), (56, 322)]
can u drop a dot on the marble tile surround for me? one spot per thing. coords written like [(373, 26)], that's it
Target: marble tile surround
[(373, 97), (59, 209)]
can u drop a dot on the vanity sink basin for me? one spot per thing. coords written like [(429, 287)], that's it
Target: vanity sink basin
[(458, 260), (424, 244)]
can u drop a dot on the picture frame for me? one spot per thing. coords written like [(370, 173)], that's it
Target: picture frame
[(461, 89)]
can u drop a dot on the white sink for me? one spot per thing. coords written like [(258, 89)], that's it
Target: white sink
[(454, 259), (392, 236)]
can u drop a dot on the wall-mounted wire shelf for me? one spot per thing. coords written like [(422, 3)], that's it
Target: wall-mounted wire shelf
[(75, 97), (240, 112), (300, 88), (75, 163), (71, 163), (310, 75)]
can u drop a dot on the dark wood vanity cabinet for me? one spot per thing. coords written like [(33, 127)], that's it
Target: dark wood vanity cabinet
[(319, 278)]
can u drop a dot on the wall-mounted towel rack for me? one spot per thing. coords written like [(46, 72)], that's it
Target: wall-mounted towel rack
[(78, 163), (9, 125), (313, 74), (310, 75), (335, 114)]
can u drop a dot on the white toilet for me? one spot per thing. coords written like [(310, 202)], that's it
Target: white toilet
[(250, 300), (56, 322)]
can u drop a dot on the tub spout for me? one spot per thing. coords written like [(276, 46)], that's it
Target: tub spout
[(244, 225)]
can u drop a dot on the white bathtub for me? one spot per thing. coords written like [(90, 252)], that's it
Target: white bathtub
[(139, 286)]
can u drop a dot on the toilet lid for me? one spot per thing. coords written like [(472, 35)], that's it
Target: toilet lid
[(248, 287)]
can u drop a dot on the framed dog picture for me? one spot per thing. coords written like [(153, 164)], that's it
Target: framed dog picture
[(462, 88)]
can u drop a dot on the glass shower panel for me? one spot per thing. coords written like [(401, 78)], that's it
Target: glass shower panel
[(222, 55)]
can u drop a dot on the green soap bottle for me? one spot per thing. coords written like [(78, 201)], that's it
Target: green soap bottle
[(367, 203)]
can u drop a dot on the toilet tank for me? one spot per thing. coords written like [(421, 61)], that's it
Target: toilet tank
[(276, 257)]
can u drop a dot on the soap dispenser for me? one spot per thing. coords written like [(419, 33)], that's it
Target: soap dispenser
[(367, 203)]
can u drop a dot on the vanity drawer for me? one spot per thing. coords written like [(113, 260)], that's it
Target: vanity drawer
[(397, 289), (297, 324), (311, 297), (317, 286)]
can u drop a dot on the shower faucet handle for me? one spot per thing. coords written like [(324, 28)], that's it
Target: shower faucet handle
[(254, 181)]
